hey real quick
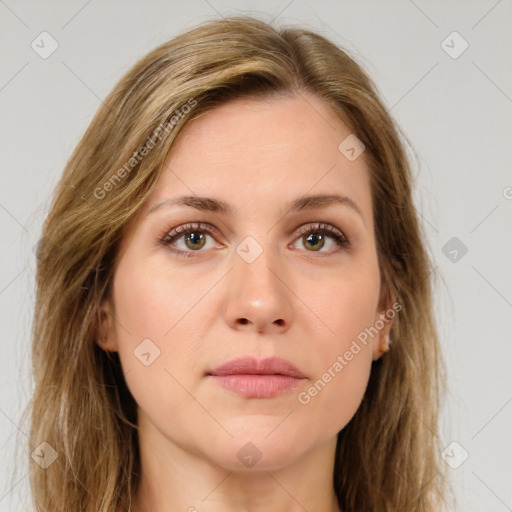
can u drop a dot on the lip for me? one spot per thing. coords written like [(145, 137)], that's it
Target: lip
[(257, 378)]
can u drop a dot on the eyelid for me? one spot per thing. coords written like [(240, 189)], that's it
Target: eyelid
[(172, 234), (321, 227), (189, 226)]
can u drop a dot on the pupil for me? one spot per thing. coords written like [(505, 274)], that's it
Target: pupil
[(319, 236), (195, 238)]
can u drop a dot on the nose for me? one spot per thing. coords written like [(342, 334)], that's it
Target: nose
[(259, 295)]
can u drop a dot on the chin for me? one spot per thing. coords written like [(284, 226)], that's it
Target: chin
[(254, 449)]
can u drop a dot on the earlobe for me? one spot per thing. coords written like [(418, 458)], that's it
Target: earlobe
[(106, 338), (381, 346), (382, 343)]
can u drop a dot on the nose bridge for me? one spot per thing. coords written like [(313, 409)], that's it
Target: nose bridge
[(257, 293), (257, 262)]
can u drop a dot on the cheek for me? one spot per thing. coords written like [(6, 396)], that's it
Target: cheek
[(337, 388), (347, 306), (334, 397), (152, 335), (152, 302), (159, 328)]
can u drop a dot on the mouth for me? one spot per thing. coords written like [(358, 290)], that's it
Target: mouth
[(253, 378)]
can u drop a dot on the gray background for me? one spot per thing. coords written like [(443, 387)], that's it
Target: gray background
[(456, 112)]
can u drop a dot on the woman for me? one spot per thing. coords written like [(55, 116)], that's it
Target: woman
[(233, 292)]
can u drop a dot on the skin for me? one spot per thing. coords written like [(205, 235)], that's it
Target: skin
[(258, 155)]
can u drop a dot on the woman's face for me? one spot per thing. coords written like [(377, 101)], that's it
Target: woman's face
[(253, 279)]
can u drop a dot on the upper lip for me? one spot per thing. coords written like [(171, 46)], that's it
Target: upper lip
[(254, 366)]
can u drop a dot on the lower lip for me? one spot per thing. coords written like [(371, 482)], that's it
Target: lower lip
[(257, 386)]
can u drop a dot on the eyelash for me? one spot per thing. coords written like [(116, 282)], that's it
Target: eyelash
[(317, 228)]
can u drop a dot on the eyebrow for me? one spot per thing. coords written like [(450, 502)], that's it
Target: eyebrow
[(218, 206)]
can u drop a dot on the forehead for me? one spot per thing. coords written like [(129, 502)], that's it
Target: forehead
[(253, 151), (258, 130)]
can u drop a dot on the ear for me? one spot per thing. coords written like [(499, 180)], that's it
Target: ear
[(107, 338), (384, 320)]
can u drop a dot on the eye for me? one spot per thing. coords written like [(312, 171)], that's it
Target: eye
[(194, 237), (314, 237)]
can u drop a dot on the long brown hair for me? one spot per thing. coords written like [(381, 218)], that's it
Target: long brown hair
[(387, 456)]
